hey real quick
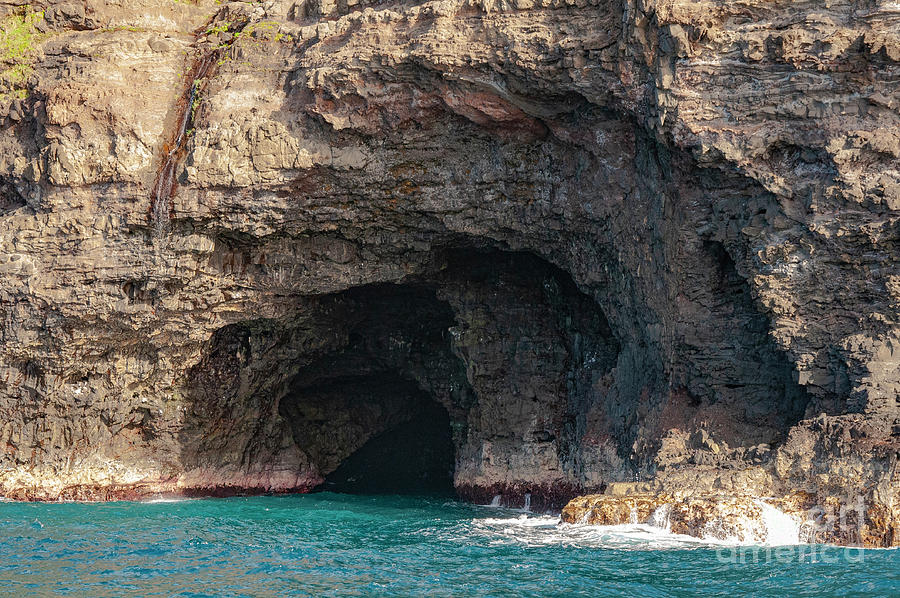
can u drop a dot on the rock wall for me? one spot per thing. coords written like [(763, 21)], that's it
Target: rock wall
[(615, 240)]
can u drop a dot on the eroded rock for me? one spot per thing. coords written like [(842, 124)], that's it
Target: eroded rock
[(795, 518), (662, 238)]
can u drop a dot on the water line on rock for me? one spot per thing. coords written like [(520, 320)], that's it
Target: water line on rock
[(165, 184), (161, 202)]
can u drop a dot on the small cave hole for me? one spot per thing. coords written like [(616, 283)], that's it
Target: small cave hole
[(413, 457), (374, 414)]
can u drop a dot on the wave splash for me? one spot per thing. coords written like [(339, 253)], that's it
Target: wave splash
[(771, 528)]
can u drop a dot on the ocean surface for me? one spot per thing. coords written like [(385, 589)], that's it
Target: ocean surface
[(344, 545)]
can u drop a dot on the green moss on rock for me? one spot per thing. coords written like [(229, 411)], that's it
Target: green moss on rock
[(18, 35)]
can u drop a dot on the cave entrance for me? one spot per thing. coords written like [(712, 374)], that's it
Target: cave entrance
[(475, 374), (415, 456), (376, 414), (374, 434)]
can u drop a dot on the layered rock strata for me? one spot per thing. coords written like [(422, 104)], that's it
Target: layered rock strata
[(612, 240)]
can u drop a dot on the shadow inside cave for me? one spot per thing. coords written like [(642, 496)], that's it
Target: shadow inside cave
[(413, 457), (388, 387), (374, 415), (482, 363)]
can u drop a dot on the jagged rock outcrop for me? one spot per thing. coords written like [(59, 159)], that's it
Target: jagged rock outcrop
[(611, 239), (795, 517)]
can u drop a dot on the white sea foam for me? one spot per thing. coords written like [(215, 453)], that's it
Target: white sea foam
[(549, 530), (152, 501), (773, 528), (520, 521), (781, 528)]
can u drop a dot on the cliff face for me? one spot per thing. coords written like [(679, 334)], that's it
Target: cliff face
[(606, 240)]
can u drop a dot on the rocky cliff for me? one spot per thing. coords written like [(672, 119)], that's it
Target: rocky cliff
[(602, 240)]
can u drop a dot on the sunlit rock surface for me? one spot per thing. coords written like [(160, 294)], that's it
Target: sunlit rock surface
[(792, 519), (612, 240)]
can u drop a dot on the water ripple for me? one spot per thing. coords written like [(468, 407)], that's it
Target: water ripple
[(339, 545)]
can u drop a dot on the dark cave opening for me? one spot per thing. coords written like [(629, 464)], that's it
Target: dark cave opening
[(758, 387), (502, 341), (376, 414), (373, 434), (413, 457), (397, 387)]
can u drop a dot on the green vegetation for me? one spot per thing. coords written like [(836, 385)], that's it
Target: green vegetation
[(195, 105), (252, 33), (17, 38), (218, 28)]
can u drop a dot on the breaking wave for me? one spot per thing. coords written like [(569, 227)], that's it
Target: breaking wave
[(773, 528)]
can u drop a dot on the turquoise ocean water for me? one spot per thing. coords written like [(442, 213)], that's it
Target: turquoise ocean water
[(343, 545)]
